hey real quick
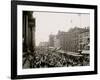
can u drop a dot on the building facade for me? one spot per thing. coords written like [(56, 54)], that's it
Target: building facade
[(84, 41), (51, 40), (56, 42), (68, 41), (28, 31), (28, 38), (43, 44)]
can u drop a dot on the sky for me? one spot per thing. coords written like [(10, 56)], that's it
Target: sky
[(50, 23)]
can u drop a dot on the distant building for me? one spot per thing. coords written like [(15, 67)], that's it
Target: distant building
[(69, 41), (84, 46), (84, 41), (51, 40), (43, 44), (56, 42)]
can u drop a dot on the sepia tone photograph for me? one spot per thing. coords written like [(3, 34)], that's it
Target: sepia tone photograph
[(55, 39)]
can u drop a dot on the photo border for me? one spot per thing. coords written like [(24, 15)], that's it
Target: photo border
[(14, 39)]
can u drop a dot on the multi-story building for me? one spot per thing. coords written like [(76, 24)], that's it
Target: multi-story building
[(51, 40), (84, 42), (68, 41), (28, 31), (56, 42), (28, 38), (43, 44)]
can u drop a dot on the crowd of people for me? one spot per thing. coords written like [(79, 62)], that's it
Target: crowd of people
[(52, 58)]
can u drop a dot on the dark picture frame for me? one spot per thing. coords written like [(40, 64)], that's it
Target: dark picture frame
[(14, 41)]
